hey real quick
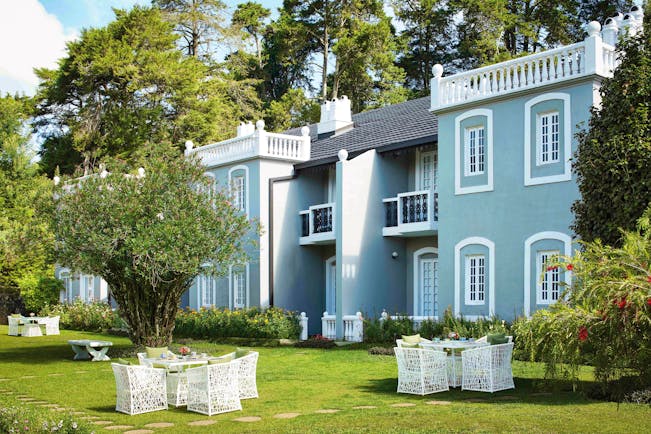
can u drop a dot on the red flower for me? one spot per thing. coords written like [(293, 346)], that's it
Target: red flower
[(550, 268), (648, 301), (583, 333), (622, 303), (648, 279), (570, 267)]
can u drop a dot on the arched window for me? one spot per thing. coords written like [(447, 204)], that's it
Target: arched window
[(238, 180), (239, 286), (474, 274), (425, 284)]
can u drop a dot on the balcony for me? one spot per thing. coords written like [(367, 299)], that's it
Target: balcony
[(256, 143), (411, 214), (317, 224), (589, 57)]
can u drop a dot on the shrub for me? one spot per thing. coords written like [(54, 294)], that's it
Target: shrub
[(78, 315), (316, 341), (213, 323), (15, 418), (39, 292), (604, 319), (379, 330)]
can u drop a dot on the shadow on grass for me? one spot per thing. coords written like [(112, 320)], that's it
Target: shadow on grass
[(527, 390), (104, 409), (50, 353)]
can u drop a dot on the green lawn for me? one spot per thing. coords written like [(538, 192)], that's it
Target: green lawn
[(307, 380)]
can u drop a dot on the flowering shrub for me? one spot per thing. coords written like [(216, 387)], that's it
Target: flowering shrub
[(210, 323), (605, 318), (23, 418), (84, 316), (316, 341)]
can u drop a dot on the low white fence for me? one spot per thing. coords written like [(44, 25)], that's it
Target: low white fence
[(353, 327)]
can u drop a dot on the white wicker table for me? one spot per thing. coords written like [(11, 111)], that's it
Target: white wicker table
[(454, 361), (93, 350), (176, 378), (32, 325)]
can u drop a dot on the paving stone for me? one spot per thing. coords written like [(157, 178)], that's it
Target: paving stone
[(81, 372), (202, 422), (116, 427), (102, 422), (475, 400), (26, 399), (55, 375), (159, 425), (60, 409), (139, 431), (248, 419), (438, 402), (286, 415), (4, 379), (403, 404), (77, 413), (38, 402), (28, 376), (364, 407), (327, 411), (90, 417), (51, 405)]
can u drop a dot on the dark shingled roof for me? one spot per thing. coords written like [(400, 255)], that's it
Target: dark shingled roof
[(400, 125)]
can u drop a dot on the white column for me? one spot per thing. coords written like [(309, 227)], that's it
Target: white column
[(303, 321)]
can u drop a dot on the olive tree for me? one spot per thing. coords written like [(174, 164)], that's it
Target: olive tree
[(148, 233)]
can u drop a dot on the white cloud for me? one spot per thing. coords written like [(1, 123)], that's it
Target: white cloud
[(31, 38)]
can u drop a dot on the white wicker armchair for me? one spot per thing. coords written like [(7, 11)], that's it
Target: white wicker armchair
[(14, 326), (139, 389), (212, 389), (421, 371), (488, 368), (142, 359), (246, 375), (52, 325)]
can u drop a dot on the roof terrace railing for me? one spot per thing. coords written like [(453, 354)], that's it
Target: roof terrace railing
[(258, 143), (589, 57)]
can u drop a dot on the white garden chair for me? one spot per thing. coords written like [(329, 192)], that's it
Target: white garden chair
[(246, 375), (52, 325), (487, 368), (213, 389), (142, 359), (14, 326), (421, 371), (139, 389)]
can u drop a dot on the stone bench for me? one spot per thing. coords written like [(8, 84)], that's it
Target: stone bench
[(93, 350)]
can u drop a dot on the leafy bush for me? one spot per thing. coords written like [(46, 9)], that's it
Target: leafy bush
[(211, 323), (381, 351), (604, 319), (379, 330), (39, 292), (78, 315), (15, 418), (316, 341)]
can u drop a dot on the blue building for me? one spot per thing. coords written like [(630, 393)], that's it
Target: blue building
[(453, 200)]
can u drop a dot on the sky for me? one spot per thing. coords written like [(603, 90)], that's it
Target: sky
[(34, 33)]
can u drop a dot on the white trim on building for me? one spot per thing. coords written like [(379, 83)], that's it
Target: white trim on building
[(491, 272), (458, 189)]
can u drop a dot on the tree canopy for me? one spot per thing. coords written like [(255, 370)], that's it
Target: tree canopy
[(614, 154), (160, 228)]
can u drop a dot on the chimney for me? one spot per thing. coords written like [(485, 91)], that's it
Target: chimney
[(335, 117)]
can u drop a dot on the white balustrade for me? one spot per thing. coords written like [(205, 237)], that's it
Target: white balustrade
[(258, 144), (353, 327), (302, 319), (590, 56)]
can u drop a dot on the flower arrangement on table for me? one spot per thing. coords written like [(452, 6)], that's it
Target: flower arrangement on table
[(453, 335), (184, 351)]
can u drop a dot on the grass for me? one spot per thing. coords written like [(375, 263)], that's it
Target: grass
[(307, 380)]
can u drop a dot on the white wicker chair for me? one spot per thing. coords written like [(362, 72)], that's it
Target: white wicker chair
[(488, 368), (52, 325), (421, 371), (246, 376), (14, 326), (213, 389), (142, 359), (139, 389)]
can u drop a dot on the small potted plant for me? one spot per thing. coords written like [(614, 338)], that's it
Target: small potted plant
[(184, 351)]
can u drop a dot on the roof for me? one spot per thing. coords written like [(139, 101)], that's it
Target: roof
[(399, 125)]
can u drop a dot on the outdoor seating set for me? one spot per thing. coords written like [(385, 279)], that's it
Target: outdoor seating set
[(425, 367), (205, 384), (30, 326)]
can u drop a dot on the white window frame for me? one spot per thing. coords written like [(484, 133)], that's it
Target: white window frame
[(565, 126), (548, 138), (529, 242), (241, 203), (233, 269), (474, 147), (547, 280), (477, 263), (488, 152), (207, 289), (89, 287), (67, 285), (421, 170), (490, 292)]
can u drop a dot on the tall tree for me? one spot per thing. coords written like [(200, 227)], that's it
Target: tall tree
[(158, 231), (250, 18), (125, 86), (199, 22), (614, 155), (428, 38), (26, 242)]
